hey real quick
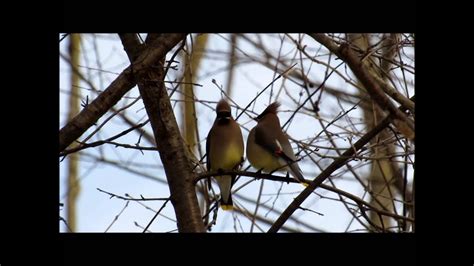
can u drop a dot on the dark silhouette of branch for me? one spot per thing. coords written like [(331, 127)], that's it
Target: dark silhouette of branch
[(117, 216), (264, 89), (372, 85), (310, 96), (328, 171), (354, 198), (156, 215), (100, 142), (67, 225), (132, 45), (64, 35), (214, 208), (257, 175), (257, 204), (116, 90), (269, 209), (141, 227), (128, 146), (150, 81), (121, 166), (367, 218), (306, 209), (112, 195)]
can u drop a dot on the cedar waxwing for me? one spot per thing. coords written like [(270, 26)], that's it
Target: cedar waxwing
[(225, 150), (268, 148)]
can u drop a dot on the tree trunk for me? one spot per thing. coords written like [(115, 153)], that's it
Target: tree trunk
[(169, 142), (381, 176), (114, 92), (73, 167), (190, 129)]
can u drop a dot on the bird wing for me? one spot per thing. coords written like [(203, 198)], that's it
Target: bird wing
[(278, 146), (208, 148)]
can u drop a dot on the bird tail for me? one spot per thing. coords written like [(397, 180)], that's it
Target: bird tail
[(227, 206), (294, 169), (297, 174), (225, 186)]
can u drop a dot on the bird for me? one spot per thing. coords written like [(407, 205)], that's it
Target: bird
[(225, 151), (268, 148)]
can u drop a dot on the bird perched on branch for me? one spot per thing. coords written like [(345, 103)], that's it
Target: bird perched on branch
[(268, 148), (225, 150)]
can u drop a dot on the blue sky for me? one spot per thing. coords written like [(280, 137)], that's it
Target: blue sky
[(103, 58)]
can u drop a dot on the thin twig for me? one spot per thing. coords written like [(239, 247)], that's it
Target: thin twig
[(65, 222), (323, 186), (63, 36), (129, 198), (117, 216), (257, 204), (250, 103), (156, 215), (100, 142), (326, 173)]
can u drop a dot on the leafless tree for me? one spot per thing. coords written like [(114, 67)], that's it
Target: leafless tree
[(348, 106)]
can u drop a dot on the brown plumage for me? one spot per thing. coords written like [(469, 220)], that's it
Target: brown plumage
[(225, 150), (268, 148)]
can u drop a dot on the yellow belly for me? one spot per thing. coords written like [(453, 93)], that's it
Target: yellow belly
[(228, 159), (260, 158)]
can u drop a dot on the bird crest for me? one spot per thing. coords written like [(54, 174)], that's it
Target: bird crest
[(271, 109)]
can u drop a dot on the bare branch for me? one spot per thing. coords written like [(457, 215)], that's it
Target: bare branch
[(327, 172), (156, 215), (116, 90), (372, 86), (112, 195), (150, 81), (100, 142)]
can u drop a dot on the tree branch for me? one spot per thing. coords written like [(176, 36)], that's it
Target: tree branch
[(257, 175), (128, 197), (150, 81), (327, 172), (100, 142), (246, 173), (370, 83), (116, 90)]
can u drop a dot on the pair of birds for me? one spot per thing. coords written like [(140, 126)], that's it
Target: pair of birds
[(268, 148)]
